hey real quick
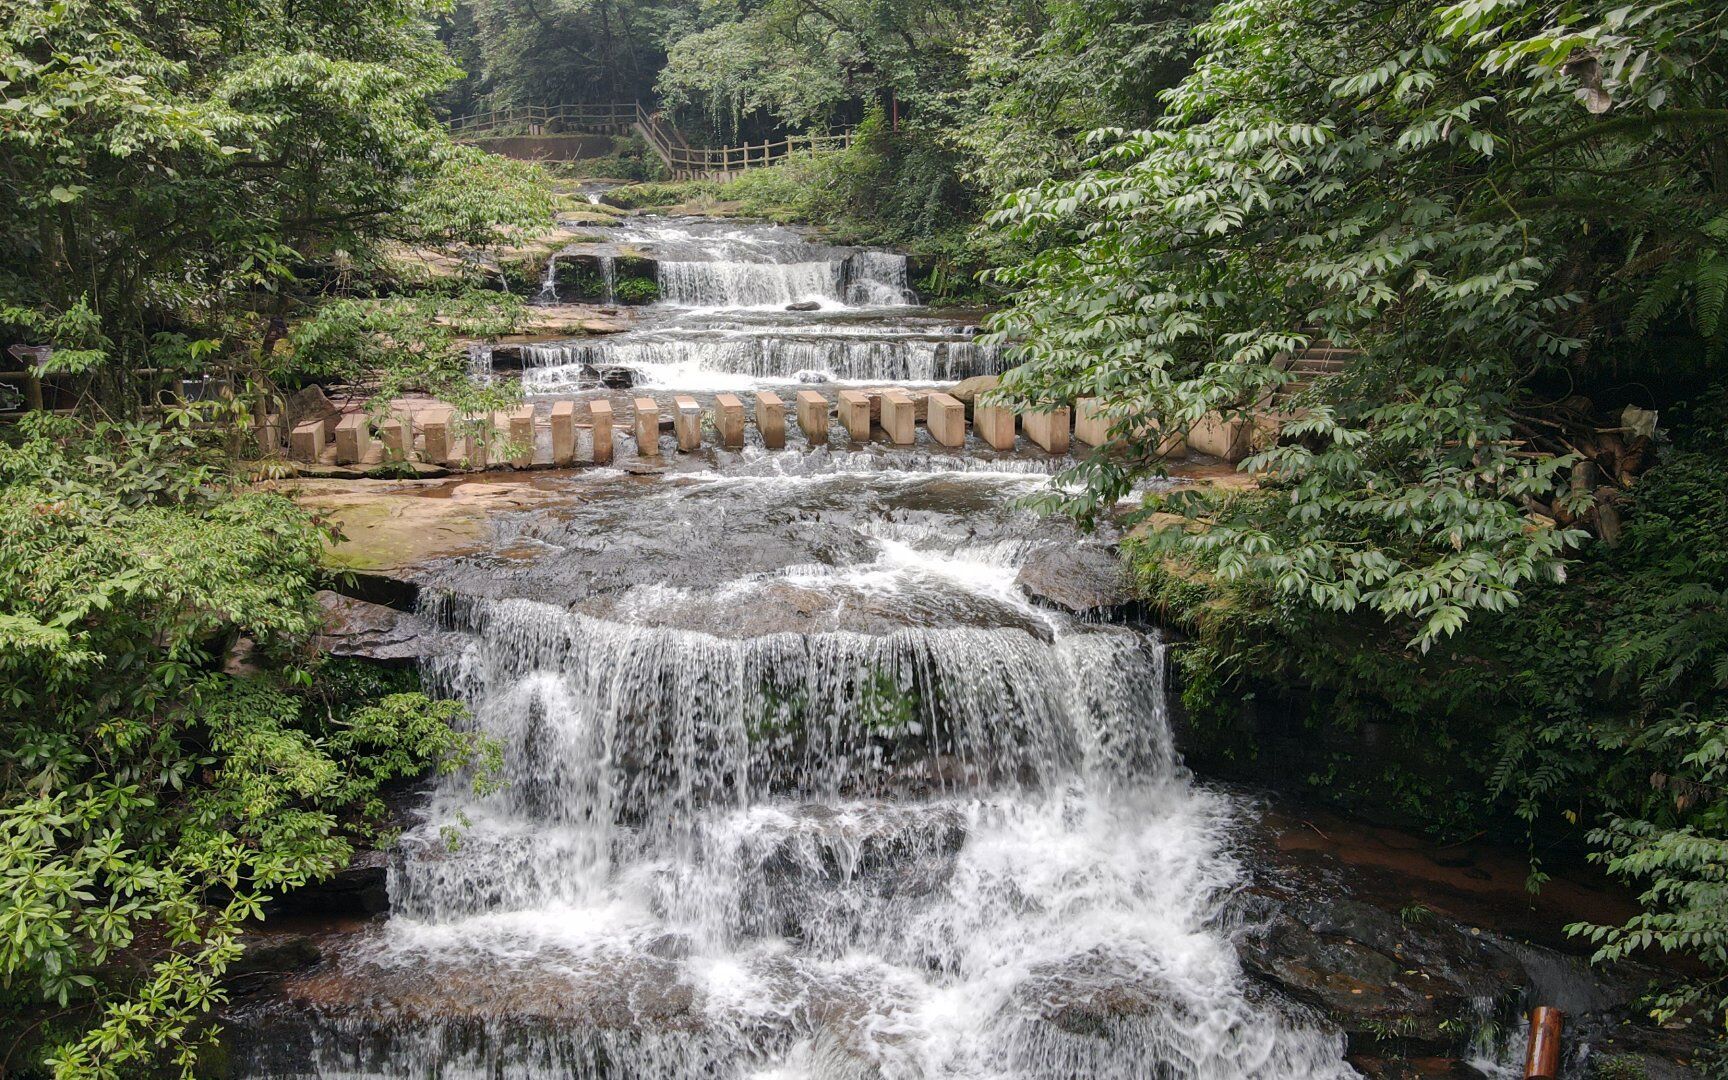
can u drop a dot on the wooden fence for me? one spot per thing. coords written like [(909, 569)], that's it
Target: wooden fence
[(682, 160)]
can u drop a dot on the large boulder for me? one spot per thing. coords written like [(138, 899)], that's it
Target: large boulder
[(308, 403), (966, 391), (1374, 973), (1080, 579)]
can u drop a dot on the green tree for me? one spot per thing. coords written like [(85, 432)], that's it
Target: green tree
[(554, 52), (199, 169), (153, 796), (1471, 195), (1039, 77)]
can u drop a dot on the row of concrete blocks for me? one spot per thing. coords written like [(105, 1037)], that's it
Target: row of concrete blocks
[(509, 438)]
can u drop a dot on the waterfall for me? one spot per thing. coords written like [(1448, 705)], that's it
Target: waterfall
[(480, 361), (877, 279), (681, 359), (962, 852), (861, 278), (715, 284), (609, 279), (548, 293), (799, 782)]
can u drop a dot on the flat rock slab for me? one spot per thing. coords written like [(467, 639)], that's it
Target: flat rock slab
[(390, 527)]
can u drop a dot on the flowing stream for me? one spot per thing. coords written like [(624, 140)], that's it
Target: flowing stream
[(800, 782), (724, 324)]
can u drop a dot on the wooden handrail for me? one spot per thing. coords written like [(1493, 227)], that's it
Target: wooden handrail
[(667, 142)]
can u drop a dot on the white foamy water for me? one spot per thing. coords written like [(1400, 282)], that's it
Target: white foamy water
[(801, 783), (956, 852), (698, 359)]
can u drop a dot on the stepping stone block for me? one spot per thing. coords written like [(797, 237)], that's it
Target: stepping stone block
[(398, 436), (1048, 429), (353, 439), (946, 419), (899, 419), (771, 419), (269, 432), (813, 417), (521, 431), (687, 423), (1091, 426), (995, 425), (855, 414), (600, 412), (563, 427), (729, 420), (435, 428), (647, 426), (306, 441)]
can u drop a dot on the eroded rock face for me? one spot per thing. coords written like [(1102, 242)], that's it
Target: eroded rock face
[(1090, 995), (1375, 975), (389, 528), (357, 890), (1078, 579), (368, 631)]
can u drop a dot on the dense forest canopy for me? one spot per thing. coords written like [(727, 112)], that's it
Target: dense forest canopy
[(1500, 527)]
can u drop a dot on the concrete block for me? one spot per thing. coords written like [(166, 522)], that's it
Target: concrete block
[(521, 431), (600, 411), (813, 417), (435, 430), (687, 423), (563, 428), (353, 438), (771, 419), (269, 433), (1048, 429), (398, 435), (1227, 439), (946, 419), (647, 426), (898, 418), (1091, 426), (855, 414), (729, 420), (306, 441), (995, 425)]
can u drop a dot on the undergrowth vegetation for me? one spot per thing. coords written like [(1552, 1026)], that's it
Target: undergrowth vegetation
[(175, 754)]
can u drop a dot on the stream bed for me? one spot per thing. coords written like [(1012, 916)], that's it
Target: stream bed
[(804, 779)]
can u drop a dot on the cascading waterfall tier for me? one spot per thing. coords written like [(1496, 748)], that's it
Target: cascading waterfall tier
[(861, 279), (686, 358), (710, 264), (961, 852)]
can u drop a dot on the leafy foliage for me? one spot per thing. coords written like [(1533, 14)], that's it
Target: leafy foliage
[(951, 105), (189, 169), (554, 52), (1419, 182), (1039, 77), (151, 799), (1593, 713), (403, 343)]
